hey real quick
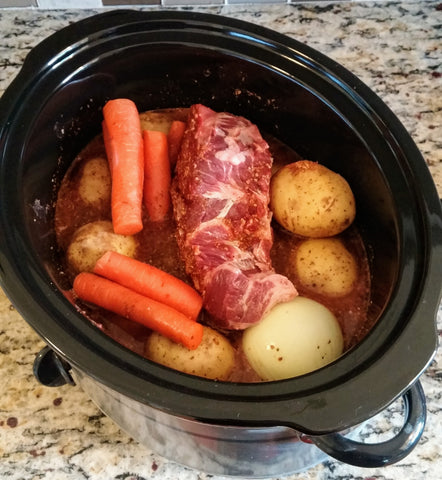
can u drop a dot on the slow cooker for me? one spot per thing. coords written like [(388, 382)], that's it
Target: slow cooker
[(174, 59)]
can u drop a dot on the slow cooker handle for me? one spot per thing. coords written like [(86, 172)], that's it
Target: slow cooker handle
[(50, 369), (373, 455)]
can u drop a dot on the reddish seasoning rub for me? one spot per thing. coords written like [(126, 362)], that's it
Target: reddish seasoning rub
[(220, 196)]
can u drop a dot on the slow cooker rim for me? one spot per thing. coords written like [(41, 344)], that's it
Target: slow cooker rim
[(221, 391)]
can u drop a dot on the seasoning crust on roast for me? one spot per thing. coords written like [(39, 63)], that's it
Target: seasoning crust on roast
[(220, 196)]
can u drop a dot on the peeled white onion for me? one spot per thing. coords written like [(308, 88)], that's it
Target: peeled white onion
[(294, 338)]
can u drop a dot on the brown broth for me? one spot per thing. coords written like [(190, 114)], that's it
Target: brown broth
[(158, 247)]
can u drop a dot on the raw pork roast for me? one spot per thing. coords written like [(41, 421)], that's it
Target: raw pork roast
[(220, 196)]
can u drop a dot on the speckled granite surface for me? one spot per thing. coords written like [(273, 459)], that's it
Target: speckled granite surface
[(57, 433)]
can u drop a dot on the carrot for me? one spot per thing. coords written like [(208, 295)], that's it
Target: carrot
[(174, 139), (151, 282), (157, 176), (124, 148), (138, 308)]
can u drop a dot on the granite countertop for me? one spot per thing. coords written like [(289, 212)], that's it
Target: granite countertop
[(58, 433)]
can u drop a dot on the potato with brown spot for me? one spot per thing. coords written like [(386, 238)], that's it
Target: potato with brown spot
[(214, 358), (310, 200), (325, 266), (93, 240)]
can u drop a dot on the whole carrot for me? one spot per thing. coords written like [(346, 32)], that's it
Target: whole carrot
[(138, 308), (124, 148), (174, 139), (151, 282), (157, 175)]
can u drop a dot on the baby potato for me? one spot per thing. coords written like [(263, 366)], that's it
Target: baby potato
[(160, 120), (95, 182), (294, 338), (93, 240), (325, 266), (310, 200), (213, 358)]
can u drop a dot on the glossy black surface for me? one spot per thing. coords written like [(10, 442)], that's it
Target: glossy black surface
[(171, 59), (51, 370)]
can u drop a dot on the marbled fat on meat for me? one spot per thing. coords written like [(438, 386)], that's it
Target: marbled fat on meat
[(220, 196)]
